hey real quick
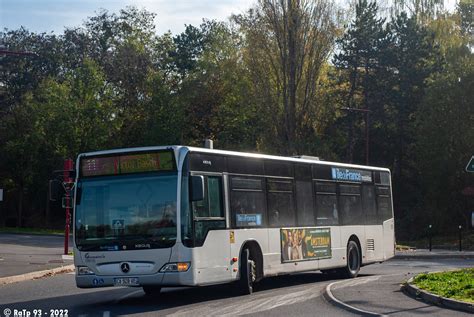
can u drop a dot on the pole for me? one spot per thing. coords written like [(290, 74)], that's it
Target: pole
[(429, 236), (367, 137), (67, 181), (460, 238)]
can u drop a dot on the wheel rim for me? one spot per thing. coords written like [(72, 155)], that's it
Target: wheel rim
[(253, 271)]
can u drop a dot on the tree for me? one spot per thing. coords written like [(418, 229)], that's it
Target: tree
[(422, 11), (213, 94), (445, 139), (19, 76), (359, 57), (287, 42), (122, 45), (444, 133)]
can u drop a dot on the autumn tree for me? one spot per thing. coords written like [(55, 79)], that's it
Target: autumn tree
[(287, 42)]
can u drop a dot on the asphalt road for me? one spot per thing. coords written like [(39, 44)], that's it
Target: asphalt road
[(296, 295), (23, 253)]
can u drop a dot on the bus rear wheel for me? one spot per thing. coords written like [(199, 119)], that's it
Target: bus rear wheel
[(353, 261), (151, 290), (248, 273)]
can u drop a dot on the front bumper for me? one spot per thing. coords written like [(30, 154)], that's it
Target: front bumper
[(161, 279)]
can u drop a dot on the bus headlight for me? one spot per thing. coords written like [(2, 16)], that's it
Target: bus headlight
[(84, 270), (175, 267)]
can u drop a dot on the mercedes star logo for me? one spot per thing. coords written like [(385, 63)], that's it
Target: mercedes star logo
[(125, 267)]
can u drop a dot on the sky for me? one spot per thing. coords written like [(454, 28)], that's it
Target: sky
[(172, 15), (54, 15)]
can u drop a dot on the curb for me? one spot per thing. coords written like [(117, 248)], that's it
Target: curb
[(36, 275), (36, 234), (418, 293), (328, 295), (433, 256)]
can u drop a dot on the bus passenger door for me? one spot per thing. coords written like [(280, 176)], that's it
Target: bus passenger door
[(211, 240)]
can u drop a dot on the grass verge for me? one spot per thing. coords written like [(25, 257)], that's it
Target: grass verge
[(457, 285), (30, 230)]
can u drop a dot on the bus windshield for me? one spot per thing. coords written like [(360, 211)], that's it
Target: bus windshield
[(126, 212)]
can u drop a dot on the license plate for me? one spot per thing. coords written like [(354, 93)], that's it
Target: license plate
[(126, 281)]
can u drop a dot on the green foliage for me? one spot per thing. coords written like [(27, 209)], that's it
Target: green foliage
[(359, 58), (452, 284), (264, 82), (286, 46), (443, 151)]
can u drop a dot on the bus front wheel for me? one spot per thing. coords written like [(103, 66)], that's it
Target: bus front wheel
[(248, 273)]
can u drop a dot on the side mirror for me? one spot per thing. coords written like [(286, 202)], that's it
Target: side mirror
[(55, 189), (196, 188)]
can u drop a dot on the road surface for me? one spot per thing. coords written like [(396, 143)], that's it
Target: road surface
[(296, 295)]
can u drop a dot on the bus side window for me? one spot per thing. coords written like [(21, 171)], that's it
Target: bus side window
[(326, 204), (369, 204), (214, 188), (350, 205), (281, 210), (384, 203), (247, 202), (304, 196)]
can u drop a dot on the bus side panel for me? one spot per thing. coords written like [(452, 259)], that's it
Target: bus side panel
[(242, 235), (273, 265), (374, 243), (339, 248), (388, 239), (213, 261)]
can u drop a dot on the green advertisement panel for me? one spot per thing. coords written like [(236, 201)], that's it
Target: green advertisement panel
[(300, 244)]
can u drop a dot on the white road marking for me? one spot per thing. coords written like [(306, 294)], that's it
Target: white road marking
[(251, 304), (106, 314), (355, 282)]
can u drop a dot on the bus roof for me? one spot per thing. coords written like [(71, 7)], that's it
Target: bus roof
[(232, 153)]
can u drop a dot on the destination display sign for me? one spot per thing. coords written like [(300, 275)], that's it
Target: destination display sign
[(351, 175), (128, 163), (300, 244)]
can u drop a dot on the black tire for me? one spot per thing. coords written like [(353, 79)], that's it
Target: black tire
[(248, 273), (152, 290), (353, 261)]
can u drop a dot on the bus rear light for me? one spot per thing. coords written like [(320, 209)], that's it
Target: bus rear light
[(84, 270), (235, 259), (175, 267)]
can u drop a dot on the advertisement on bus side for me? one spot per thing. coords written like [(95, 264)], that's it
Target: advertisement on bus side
[(300, 244)]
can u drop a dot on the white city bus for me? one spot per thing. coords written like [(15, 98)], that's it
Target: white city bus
[(181, 216)]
